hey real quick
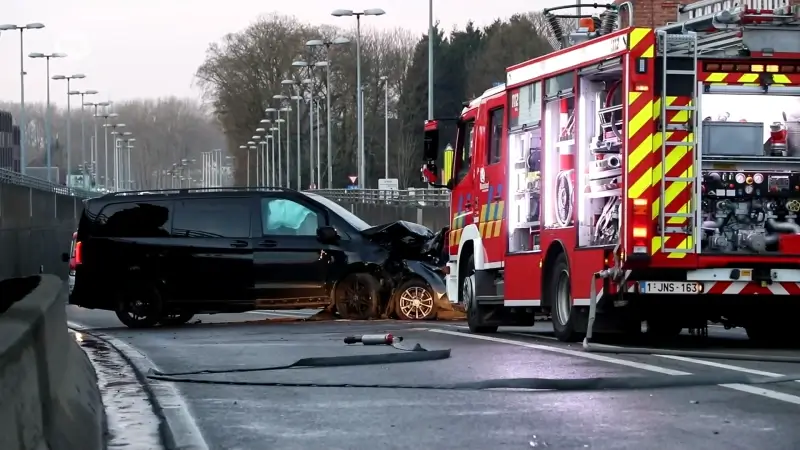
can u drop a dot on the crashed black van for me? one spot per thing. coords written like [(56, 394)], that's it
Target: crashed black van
[(164, 256)]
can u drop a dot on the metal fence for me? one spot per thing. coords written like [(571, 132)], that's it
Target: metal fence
[(37, 219), (430, 207)]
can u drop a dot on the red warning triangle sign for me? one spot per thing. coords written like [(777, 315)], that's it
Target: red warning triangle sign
[(353, 179)]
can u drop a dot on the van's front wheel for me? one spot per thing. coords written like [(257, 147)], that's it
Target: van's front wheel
[(139, 305)]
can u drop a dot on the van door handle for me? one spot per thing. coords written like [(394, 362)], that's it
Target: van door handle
[(239, 244), (267, 244)]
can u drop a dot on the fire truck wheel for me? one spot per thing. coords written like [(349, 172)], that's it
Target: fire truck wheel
[(474, 314), (560, 299)]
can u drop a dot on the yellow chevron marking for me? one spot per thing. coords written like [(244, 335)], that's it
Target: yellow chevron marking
[(671, 193), (685, 244), (650, 52), (716, 77), (498, 225), (748, 78), (636, 36), (641, 118), (781, 79)]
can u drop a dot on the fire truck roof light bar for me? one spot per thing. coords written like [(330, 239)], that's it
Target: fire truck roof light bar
[(753, 90)]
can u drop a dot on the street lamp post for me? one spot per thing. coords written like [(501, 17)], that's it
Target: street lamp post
[(113, 127), (296, 98), (83, 125), (430, 59), (385, 80), (244, 147), (105, 115), (360, 118), (47, 127), (23, 162), (93, 156), (129, 146), (277, 127), (319, 159), (257, 138), (70, 93), (273, 168), (328, 44), (287, 110)]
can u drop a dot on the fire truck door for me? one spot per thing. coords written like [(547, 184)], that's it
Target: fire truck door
[(492, 180), (463, 195)]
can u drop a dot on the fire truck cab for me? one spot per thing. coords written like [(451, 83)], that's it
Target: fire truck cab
[(650, 173)]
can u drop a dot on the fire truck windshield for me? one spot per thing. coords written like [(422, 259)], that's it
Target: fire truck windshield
[(766, 109)]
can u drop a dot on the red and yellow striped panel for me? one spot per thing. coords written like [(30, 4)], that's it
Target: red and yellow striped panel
[(642, 43), (748, 78)]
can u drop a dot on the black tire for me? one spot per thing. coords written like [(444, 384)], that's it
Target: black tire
[(466, 287), (139, 305), (559, 297), (176, 319), (357, 296), (424, 308)]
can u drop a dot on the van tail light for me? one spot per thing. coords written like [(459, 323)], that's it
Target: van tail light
[(641, 225), (78, 258)]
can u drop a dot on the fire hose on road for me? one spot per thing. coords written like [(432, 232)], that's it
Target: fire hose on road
[(420, 354)]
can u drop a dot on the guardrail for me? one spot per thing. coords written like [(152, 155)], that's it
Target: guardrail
[(11, 177), (405, 197), (48, 387)]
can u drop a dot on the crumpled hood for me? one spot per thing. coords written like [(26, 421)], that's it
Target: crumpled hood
[(400, 232)]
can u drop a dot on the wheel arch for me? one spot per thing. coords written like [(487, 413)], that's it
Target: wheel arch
[(555, 249)]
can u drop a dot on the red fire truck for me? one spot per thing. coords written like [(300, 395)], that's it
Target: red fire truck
[(652, 172)]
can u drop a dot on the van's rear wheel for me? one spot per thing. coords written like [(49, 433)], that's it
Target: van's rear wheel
[(139, 305)]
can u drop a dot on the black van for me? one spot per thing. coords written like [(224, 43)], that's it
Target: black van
[(163, 256)]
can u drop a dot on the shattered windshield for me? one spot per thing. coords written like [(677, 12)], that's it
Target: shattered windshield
[(355, 221)]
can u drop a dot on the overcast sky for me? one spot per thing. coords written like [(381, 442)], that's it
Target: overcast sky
[(151, 48)]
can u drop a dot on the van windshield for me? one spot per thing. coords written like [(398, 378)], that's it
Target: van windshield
[(352, 219)]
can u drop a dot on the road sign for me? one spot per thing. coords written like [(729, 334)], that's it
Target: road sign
[(388, 184), (353, 179)]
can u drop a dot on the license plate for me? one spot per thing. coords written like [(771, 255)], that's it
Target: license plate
[(670, 287)]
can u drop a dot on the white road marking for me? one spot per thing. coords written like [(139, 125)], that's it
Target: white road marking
[(775, 395), (186, 433)]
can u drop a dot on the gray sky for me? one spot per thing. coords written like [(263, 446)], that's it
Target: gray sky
[(151, 48)]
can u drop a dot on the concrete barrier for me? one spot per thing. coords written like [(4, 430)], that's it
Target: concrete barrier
[(49, 399), (35, 228)]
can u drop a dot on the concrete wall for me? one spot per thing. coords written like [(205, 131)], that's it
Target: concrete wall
[(49, 399), (35, 228)]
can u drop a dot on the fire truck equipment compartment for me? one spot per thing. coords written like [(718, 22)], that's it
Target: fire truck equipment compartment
[(733, 138)]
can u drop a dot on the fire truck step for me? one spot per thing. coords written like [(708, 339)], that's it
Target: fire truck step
[(680, 72), (680, 143), (684, 215), (678, 127), (679, 179), (677, 250), (680, 108)]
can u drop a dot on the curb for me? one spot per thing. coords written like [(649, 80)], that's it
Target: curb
[(178, 429)]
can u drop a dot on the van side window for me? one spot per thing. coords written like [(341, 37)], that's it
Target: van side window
[(282, 217), (464, 154), (134, 219), (212, 218), (495, 135)]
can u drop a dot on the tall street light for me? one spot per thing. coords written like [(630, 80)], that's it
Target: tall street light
[(105, 115), (259, 157), (47, 127), (272, 150), (287, 110), (251, 148), (93, 153), (69, 78), (259, 132), (316, 43), (430, 59), (83, 94), (296, 98), (385, 80), (310, 83), (23, 125), (244, 147), (277, 127), (360, 117), (113, 127)]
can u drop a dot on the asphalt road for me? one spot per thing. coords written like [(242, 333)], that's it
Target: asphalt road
[(310, 418)]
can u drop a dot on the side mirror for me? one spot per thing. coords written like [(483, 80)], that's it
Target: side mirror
[(328, 235), (65, 257)]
